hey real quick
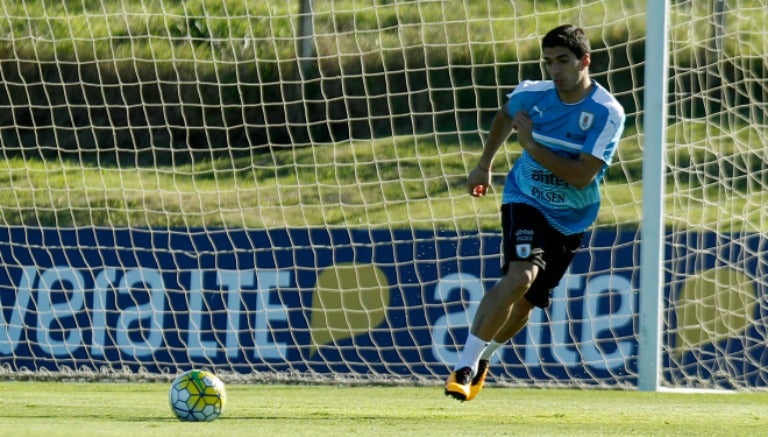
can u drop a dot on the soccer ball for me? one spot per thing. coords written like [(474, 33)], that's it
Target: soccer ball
[(197, 396)]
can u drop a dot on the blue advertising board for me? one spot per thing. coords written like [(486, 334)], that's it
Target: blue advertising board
[(358, 302)]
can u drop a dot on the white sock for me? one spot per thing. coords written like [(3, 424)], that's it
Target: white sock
[(470, 355), (490, 349)]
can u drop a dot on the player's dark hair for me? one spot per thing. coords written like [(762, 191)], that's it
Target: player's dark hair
[(569, 36)]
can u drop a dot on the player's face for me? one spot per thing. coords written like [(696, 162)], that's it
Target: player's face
[(568, 72)]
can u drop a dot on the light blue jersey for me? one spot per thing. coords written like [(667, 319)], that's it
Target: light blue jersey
[(593, 126)]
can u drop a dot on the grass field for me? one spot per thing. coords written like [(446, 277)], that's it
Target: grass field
[(141, 409)]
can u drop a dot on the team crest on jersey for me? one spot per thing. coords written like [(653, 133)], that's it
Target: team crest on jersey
[(586, 119), (523, 250)]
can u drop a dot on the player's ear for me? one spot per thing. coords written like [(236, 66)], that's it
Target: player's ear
[(586, 60)]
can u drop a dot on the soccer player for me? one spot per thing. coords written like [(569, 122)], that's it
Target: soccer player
[(569, 128)]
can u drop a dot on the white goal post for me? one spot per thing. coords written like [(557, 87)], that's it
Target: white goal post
[(274, 190), (654, 172)]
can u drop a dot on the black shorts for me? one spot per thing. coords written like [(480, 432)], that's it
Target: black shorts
[(528, 236)]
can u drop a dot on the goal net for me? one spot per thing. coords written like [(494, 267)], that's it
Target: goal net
[(274, 190)]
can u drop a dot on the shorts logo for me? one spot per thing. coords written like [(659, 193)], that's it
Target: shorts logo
[(523, 250), (586, 119)]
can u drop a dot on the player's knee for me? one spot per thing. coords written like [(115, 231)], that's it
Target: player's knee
[(519, 278)]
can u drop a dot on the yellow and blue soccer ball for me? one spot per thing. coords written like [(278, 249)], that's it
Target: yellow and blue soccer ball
[(197, 396)]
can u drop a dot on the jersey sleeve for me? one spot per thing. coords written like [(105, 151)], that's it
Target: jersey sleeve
[(604, 138), (516, 101)]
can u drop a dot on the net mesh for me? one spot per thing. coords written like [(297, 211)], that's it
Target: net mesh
[(275, 189)]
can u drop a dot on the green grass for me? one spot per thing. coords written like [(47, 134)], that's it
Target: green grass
[(226, 30), (398, 182), (104, 409), (392, 182), (134, 28)]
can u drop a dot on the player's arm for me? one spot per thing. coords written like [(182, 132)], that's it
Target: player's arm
[(577, 172), (480, 176)]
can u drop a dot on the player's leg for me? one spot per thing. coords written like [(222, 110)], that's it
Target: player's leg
[(518, 317), (497, 304), (559, 251), (522, 261), (558, 257), (494, 310)]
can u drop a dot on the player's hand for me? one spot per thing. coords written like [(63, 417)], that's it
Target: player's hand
[(478, 181)]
